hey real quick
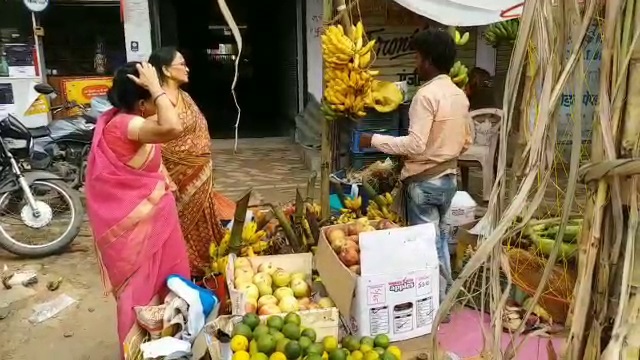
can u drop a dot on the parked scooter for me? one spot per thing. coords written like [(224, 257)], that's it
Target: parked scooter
[(62, 146), (33, 203)]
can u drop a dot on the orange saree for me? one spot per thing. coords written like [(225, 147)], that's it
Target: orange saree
[(188, 161)]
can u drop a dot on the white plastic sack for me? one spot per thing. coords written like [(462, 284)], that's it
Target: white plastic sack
[(462, 209), (99, 105), (465, 12)]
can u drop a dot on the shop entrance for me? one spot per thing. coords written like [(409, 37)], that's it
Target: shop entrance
[(267, 87)]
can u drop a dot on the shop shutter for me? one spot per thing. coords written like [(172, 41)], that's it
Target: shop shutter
[(288, 23), (467, 53), (503, 57)]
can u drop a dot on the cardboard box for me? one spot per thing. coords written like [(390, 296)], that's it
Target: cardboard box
[(323, 321), (462, 210), (397, 291), (292, 263)]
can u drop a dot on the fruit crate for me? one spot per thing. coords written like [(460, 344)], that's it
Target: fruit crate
[(377, 120), (355, 139), (360, 161)]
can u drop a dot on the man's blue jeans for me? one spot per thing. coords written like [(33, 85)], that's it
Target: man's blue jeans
[(428, 202)]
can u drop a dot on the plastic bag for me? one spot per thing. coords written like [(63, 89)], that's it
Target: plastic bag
[(99, 105), (51, 308)]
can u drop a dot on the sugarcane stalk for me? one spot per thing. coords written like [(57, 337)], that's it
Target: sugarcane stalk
[(235, 239), (287, 229), (312, 219), (298, 217), (311, 186)]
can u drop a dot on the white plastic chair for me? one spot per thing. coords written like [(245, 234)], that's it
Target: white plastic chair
[(485, 129)]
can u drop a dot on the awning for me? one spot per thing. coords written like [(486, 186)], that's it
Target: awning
[(465, 12)]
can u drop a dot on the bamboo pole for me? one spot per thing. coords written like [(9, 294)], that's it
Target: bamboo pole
[(327, 143)]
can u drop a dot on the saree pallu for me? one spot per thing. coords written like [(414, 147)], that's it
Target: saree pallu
[(134, 221), (189, 163)]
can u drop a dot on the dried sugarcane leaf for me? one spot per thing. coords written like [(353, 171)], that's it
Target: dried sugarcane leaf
[(235, 239), (311, 186)]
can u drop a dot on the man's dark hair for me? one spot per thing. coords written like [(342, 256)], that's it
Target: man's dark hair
[(437, 46)]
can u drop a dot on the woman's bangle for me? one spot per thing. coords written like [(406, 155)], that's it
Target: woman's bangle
[(158, 96)]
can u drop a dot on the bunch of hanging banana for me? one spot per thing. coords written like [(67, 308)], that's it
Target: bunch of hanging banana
[(459, 74), (377, 212), (347, 216), (348, 78), (504, 32), (353, 205), (251, 235), (461, 40)]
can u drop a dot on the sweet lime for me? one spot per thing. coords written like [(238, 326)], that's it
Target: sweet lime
[(365, 348), (281, 344), (310, 333), (357, 355), (251, 320), (379, 350), (350, 343), (330, 343), (239, 343), (277, 335), (367, 340), (337, 354), (253, 347), (314, 357), (293, 318), (259, 356), (242, 329), (241, 355), (304, 342), (277, 356), (275, 322), (266, 344), (291, 331), (292, 350), (260, 330), (315, 348), (382, 341), (395, 351), (371, 355), (388, 356)]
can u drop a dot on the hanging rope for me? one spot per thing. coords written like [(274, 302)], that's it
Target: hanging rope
[(222, 4)]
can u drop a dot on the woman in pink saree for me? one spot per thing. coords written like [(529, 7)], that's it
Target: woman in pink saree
[(131, 208)]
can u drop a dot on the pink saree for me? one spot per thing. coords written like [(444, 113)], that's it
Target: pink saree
[(134, 220)]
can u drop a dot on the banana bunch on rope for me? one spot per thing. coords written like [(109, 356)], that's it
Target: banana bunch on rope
[(348, 79), (504, 32), (351, 211), (459, 74), (461, 40), (380, 208)]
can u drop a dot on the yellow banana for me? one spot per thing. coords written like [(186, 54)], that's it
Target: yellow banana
[(213, 250), (457, 37), (389, 198)]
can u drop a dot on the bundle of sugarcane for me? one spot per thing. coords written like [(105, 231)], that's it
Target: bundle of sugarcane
[(543, 237)]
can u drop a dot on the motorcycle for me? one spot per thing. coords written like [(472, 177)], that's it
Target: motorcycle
[(62, 146), (42, 201)]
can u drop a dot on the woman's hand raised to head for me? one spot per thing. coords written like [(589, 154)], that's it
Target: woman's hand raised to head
[(147, 77)]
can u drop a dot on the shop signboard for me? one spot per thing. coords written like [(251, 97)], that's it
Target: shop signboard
[(591, 88), (82, 90)]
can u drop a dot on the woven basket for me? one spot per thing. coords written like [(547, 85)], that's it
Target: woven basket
[(473, 286), (526, 271)]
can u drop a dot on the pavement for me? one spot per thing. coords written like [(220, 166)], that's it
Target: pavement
[(87, 328)]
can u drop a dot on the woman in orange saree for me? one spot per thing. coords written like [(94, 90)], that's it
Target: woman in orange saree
[(188, 161), (132, 212)]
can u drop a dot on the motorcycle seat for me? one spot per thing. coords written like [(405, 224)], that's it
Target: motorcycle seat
[(39, 132)]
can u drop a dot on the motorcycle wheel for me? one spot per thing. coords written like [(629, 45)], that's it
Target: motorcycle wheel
[(70, 205)]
